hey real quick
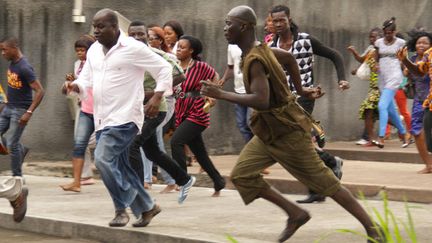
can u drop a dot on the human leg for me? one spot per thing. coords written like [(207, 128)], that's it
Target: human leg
[(135, 156), (344, 198), (247, 178), (401, 102), (335, 164), (147, 166), (84, 129), (419, 135), (395, 119), (385, 100), (197, 146), (171, 184), (242, 121), (87, 171), (369, 123), (111, 158), (15, 147), (153, 152), (295, 153)]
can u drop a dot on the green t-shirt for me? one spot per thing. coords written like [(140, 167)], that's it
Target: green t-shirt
[(150, 82)]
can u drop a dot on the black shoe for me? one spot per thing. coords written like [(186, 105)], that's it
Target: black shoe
[(312, 198), (121, 219), (146, 217)]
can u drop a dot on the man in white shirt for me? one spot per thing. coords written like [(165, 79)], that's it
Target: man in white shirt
[(233, 71), (115, 69)]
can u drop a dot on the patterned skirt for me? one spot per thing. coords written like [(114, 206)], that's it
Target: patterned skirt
[(370, 103)]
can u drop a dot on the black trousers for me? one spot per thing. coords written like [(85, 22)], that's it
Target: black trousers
[(328, 159), (148, 141), (190, 133)]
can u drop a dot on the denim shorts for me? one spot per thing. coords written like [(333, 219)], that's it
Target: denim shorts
[(84, 130)]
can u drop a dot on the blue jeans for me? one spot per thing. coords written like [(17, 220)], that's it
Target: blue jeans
[(243, 114), (83, 131), (111, 159), (9, 118), (387, 108)]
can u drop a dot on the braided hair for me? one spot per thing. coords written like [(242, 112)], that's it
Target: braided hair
[(195, 45)]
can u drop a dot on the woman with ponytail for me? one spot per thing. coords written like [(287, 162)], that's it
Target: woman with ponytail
[(390, 77)]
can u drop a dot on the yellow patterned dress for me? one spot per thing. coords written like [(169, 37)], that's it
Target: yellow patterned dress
[(372, 99)]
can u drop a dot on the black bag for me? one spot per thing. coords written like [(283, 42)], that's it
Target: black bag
[(409, 89)]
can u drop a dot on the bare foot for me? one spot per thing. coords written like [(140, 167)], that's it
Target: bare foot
[(169, 188), (71, 187), (425, 170), (293, 225), (201, 170), (266, 171), (216, 194), (154, 179)]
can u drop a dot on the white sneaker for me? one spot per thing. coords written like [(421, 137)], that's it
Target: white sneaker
[(362, 142)]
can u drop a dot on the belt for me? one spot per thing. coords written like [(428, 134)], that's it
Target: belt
[(190, 94)]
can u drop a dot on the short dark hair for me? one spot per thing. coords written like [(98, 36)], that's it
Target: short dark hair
[(282, 8), (85, 41), (176, 26), (11, 42), (137, 23), (411, 44), (195, 44)]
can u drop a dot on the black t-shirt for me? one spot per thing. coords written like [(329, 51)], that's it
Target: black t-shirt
[(19, 92)]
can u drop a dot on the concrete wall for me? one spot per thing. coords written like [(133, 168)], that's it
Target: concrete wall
[(47, 34)]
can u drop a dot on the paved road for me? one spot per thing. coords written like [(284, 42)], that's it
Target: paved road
[(15, 236)]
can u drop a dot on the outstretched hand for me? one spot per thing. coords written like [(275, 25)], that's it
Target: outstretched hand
[(68, 87), (343, 85), (312, 93), (402, 53), (351, 49), (211, 89)]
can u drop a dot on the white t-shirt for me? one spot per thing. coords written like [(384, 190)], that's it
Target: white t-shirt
[(390, 74), (234, 59)]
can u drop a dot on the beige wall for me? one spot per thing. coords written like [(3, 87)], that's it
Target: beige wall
[(47, 35)]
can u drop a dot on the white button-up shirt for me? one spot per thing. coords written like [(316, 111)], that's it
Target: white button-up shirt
[(117, 81)]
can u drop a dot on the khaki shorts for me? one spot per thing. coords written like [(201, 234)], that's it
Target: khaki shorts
[(295, 152)]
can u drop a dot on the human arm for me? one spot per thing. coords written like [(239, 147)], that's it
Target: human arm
[(324, 51), (227, 75), (259, 96), (290, 64), (413, 68), (83, 81), (39, 92), (356, 55), (161, 71)]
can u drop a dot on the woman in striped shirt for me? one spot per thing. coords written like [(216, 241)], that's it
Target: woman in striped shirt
[(191, 118)]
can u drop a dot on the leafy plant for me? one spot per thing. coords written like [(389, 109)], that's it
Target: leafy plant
[(231, 238), (389, 226)]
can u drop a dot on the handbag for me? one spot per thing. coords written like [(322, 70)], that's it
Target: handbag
[(409, 89), (363, 72)]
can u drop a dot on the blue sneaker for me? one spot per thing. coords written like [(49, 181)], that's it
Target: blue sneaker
[(184, 190)]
